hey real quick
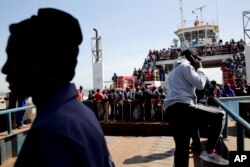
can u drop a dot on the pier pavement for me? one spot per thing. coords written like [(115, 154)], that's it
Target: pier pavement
[(135, 151), (157, 151)]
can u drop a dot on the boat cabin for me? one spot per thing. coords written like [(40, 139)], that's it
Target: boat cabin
[(199, 35)]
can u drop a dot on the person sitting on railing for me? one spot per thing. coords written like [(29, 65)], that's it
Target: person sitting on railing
[(185, 115), (65, 132)]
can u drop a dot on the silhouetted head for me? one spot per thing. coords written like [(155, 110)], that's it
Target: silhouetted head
[(42, 52)]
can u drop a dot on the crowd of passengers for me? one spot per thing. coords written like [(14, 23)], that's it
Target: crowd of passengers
[(229, 47), (235, 68), (151, 72), (137, 104), (145, 104)]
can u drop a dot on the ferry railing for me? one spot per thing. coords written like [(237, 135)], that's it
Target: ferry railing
[(12, 110), (119, 108), (241, 124), (215, 50)]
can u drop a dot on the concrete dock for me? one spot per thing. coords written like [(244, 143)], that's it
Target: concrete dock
[(154, 151)]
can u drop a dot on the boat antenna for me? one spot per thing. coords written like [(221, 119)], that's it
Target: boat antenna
[(217, 12), (182, 20), (200, 8), (217, 17)]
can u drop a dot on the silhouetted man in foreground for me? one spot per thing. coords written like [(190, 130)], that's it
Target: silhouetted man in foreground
[(65, 132)]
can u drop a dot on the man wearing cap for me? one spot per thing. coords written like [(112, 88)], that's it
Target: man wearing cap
[(65, 132), (183, 113)]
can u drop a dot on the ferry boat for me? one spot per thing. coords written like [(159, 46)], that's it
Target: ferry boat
[(202, 37)]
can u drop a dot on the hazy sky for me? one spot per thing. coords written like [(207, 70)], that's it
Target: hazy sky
[(129, 28)]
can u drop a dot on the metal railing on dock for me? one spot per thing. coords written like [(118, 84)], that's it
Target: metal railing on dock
[(12, 110), (242, 125)]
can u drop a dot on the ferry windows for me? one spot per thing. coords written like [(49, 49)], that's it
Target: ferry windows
[(181, 37), (194, 38), (201, 34), (188, 36), (194, 34), (210, 34)]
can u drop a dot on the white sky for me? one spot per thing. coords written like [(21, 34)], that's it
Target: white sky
[(129, 28)]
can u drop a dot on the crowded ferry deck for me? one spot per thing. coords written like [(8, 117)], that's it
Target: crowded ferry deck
[(130, 110)]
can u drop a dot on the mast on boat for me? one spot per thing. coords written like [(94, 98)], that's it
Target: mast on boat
[(181, 9), (201, 8)]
